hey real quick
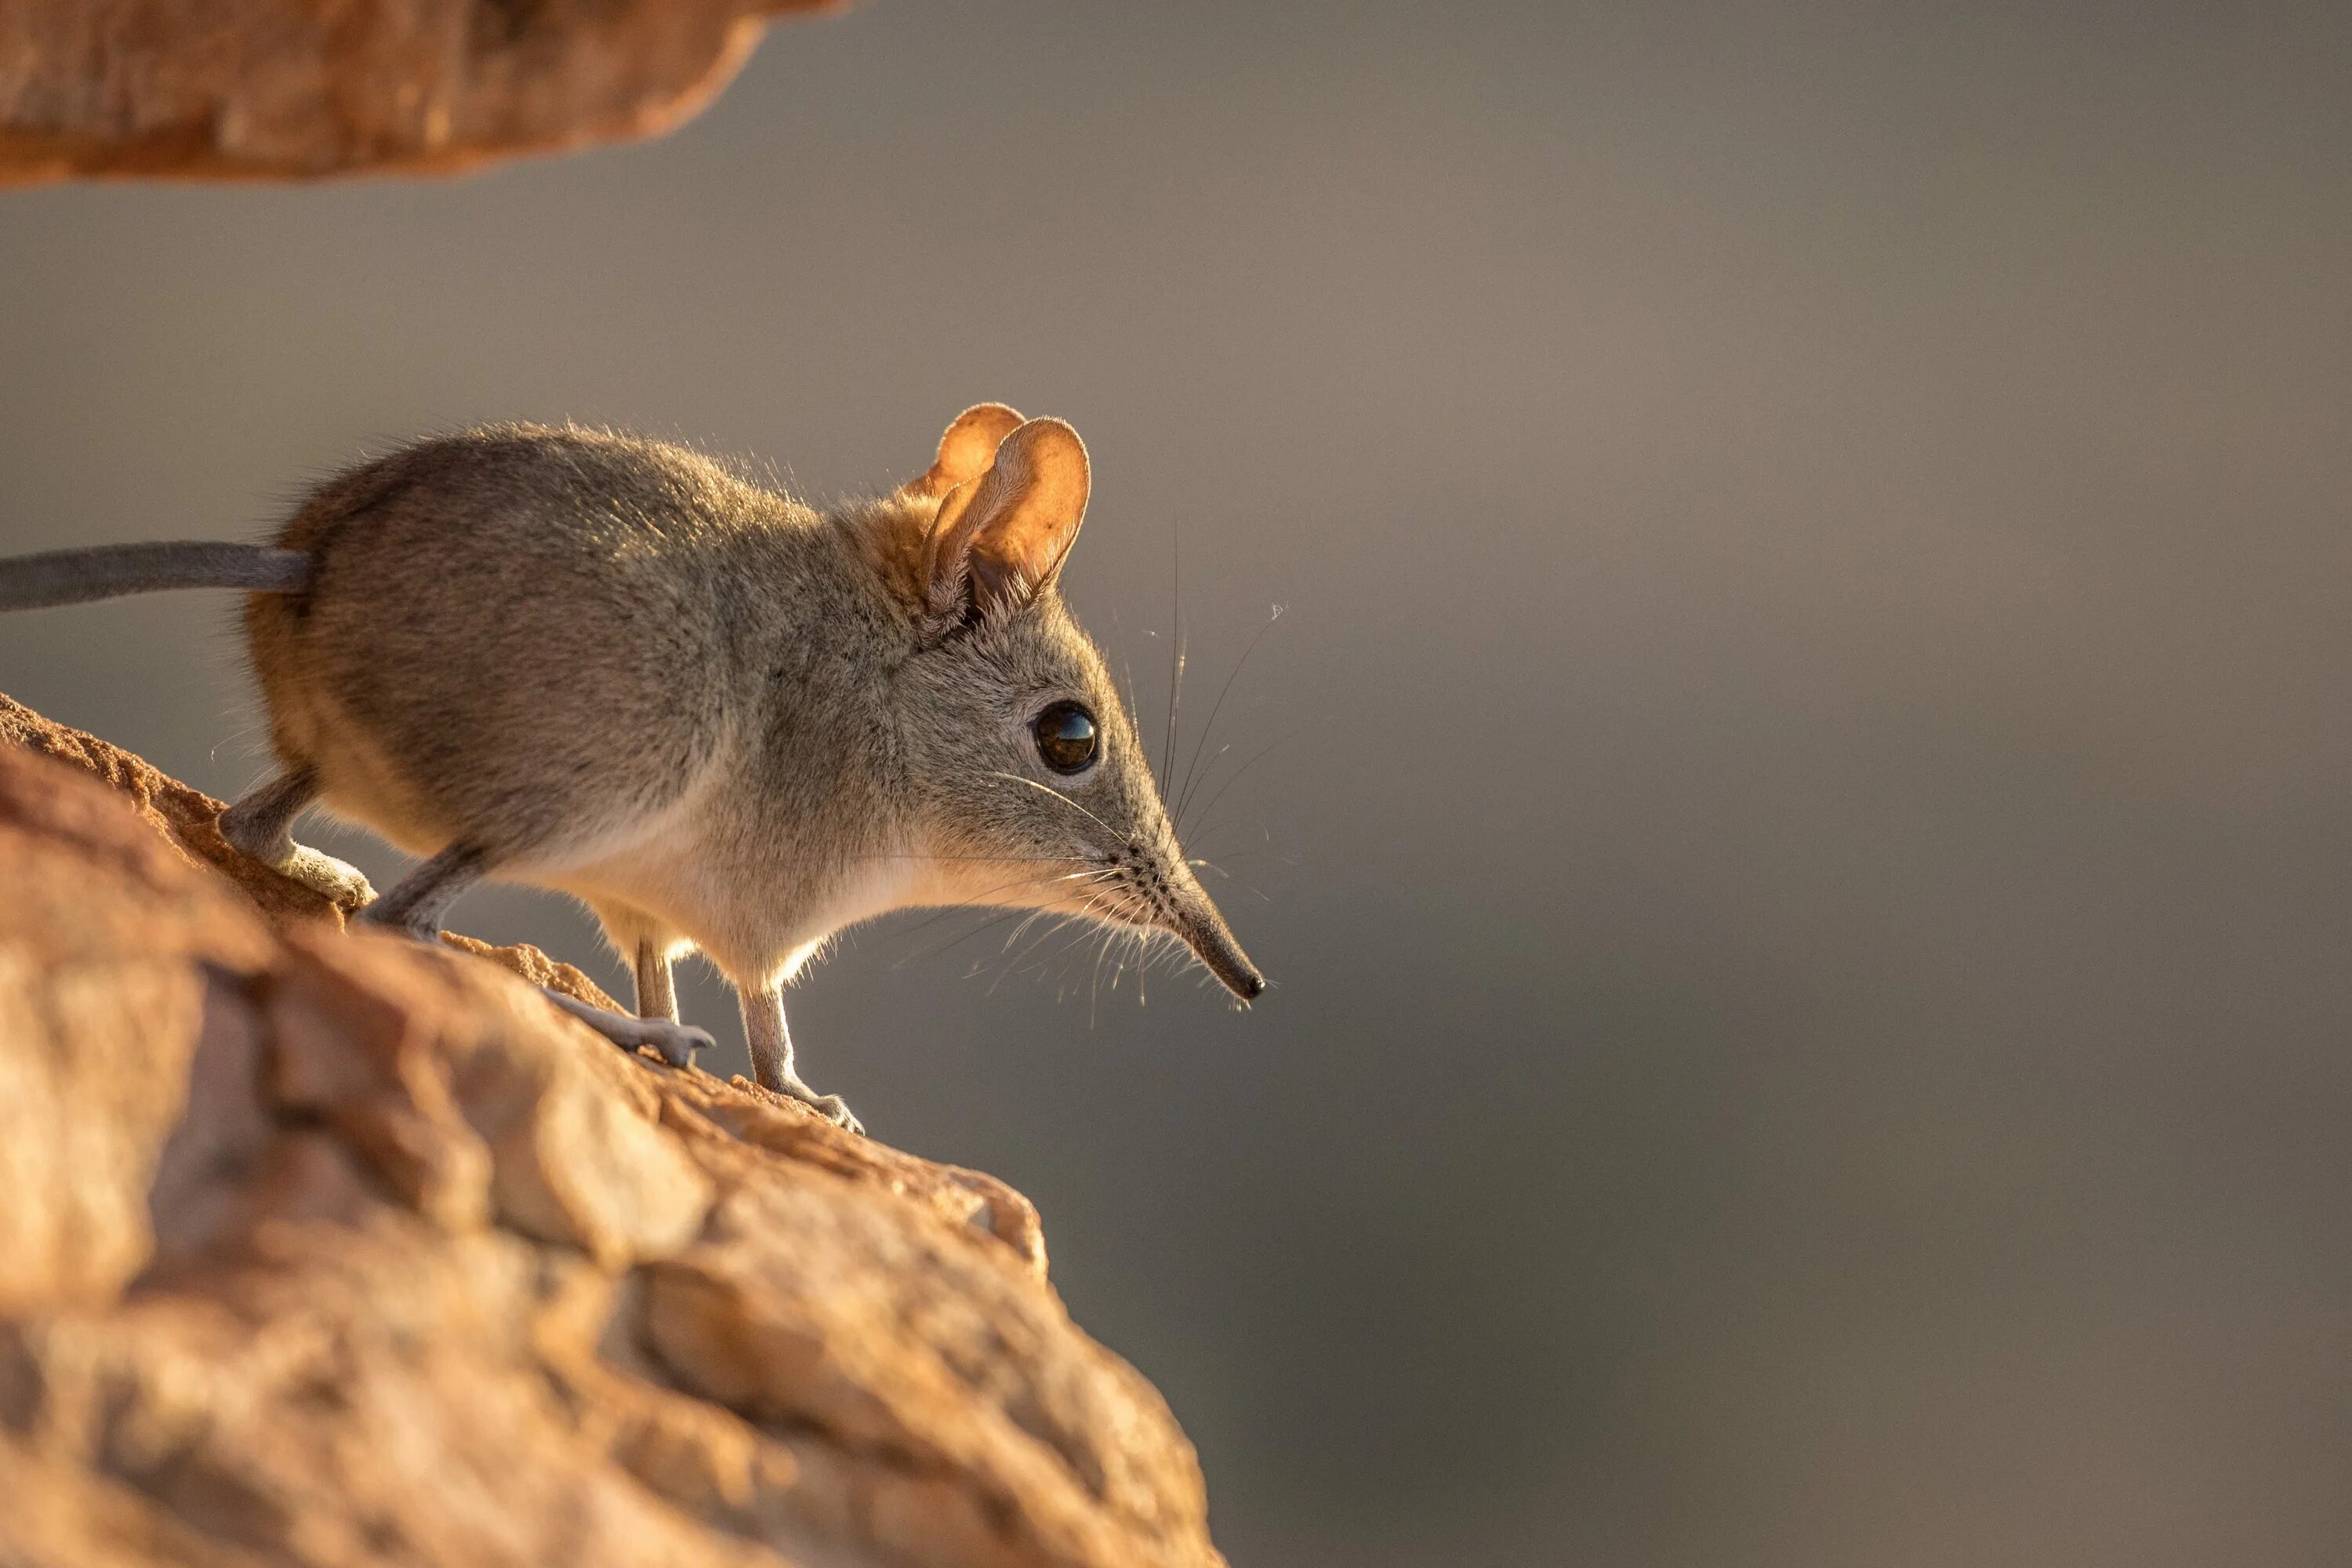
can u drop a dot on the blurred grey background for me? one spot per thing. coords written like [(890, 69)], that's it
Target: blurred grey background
[(1805, 845)]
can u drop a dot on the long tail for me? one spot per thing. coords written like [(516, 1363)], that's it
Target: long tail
[(111, 570)]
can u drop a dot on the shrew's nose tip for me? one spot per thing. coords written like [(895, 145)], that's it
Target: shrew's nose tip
[(1223, 958)]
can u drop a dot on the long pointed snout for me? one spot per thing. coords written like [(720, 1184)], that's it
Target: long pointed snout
[(1203, 929)]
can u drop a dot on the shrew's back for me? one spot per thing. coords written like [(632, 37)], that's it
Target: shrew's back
[(529, 627)]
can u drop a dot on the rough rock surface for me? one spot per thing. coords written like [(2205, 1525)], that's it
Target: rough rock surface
[(324, 1247), (288, 89)]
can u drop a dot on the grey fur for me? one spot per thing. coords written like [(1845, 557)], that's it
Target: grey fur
[(112, 570), (723, 719), (416, 905)]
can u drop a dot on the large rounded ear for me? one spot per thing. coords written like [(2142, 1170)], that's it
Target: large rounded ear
[(965, 450), (1000, 539)]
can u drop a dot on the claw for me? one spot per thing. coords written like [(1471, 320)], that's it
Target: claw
[(681, 1044), (832, 1107), (676, 1042)]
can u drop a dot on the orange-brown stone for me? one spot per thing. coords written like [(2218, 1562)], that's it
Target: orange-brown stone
[(323, 1246), (300, 88)]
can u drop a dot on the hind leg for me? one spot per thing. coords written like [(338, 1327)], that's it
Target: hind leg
[(261, 825), (423, 895)]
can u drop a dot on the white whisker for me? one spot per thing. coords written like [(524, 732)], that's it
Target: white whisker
[(1065, 800)]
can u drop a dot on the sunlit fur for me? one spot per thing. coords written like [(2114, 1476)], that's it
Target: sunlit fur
[(724, 719)]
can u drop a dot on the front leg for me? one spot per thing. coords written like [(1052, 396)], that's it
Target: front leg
[(656, 992), (771, 1055)]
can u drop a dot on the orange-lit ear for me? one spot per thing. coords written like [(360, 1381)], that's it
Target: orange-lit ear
[(966, 450), (1000, 539)]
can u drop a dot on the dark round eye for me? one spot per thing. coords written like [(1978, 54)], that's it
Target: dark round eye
[(1066, 737)]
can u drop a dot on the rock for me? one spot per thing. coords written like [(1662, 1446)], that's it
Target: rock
[(293, 88), (325, 1248), (189, 822)]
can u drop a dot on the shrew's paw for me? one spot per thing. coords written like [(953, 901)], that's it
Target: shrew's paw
[(832, 1107), (342, 883), (676, 1042)]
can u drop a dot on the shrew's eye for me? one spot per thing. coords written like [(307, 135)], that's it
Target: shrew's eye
[(1066, 737)]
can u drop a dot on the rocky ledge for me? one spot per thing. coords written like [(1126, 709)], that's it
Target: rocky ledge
[(319, 1246), (245, 89)]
